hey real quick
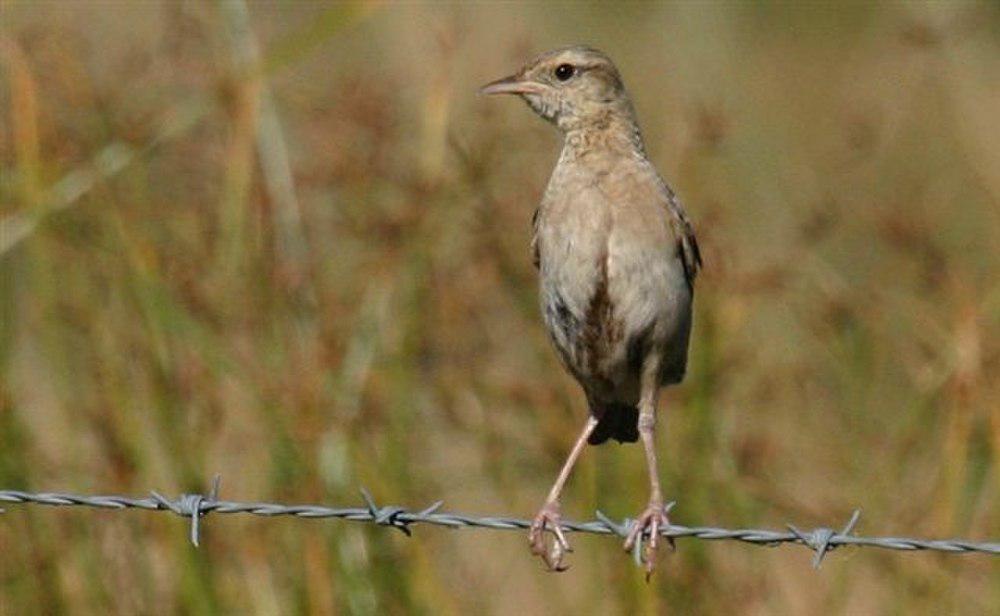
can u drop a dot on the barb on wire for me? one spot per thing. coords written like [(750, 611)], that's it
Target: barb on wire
[(195, 506), (819, 539), (191, 505)]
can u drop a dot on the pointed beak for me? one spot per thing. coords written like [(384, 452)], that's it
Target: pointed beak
[(512, 85)]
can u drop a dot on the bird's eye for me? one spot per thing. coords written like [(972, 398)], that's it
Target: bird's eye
[(564, 72)]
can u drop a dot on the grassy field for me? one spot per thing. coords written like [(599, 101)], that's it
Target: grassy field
[(287, 243)]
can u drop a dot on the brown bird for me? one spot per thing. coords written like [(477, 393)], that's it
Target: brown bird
[(617, 259)]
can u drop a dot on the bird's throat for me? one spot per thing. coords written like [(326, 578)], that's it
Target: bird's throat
[(615, 137)]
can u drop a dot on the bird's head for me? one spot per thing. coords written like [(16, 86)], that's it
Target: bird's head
[(573, 87)]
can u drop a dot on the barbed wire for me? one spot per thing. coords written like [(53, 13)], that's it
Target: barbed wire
[(195, 506)]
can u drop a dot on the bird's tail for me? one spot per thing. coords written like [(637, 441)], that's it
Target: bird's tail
[(618, 421)]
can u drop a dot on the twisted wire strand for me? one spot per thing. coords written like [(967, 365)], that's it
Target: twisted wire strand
[(195, 506)]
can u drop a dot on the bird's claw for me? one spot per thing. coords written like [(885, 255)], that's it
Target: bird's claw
[(551, 553), (649, 524)]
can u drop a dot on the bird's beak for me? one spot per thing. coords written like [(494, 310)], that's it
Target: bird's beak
[(512, 85)]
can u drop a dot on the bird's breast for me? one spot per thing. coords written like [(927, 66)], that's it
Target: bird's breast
[(609, 280)]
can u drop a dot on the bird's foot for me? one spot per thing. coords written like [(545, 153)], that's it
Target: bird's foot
[(648, 526), (551, 552)]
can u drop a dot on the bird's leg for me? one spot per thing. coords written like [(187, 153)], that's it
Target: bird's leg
[(655, 515), (549, 513)]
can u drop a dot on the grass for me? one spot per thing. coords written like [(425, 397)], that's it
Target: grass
[(315, 276)]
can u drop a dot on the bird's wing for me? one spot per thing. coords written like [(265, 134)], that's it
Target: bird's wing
[(687, 243), (535, 256)]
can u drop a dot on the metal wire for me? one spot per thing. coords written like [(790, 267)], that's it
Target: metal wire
[(195, 506)]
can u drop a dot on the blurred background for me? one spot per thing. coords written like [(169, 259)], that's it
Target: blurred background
[(287, 243)]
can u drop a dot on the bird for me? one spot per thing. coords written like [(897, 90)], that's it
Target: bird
[(617, 260)]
